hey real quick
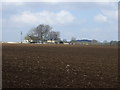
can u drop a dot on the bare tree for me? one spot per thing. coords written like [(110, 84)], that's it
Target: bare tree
[(54, 35), (73, 39), (31, 35), (42, 33)]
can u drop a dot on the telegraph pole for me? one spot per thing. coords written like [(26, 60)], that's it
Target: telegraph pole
[(21, 37)]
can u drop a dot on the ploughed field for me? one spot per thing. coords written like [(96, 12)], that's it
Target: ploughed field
[(59, 66)]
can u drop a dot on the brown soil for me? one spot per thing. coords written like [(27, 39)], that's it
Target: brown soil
[(59, 66)]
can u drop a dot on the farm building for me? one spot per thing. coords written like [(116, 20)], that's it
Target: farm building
[(52, 41), (31, 41)]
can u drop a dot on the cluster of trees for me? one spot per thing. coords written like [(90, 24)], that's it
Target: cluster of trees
[(42, 33), (94, 42), (112, 43)]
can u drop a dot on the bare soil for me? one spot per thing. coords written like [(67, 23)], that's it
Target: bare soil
[(59, 66)]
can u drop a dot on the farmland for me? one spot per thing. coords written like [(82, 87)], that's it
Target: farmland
[(59, 66)]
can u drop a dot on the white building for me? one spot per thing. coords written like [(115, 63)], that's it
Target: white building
[(51, 41)]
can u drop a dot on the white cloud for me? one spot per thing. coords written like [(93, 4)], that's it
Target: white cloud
[(112, 14), (100, 18), (45, 17), (106, 15)]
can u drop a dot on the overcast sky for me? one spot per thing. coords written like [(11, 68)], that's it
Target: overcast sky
[(83, 20)]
